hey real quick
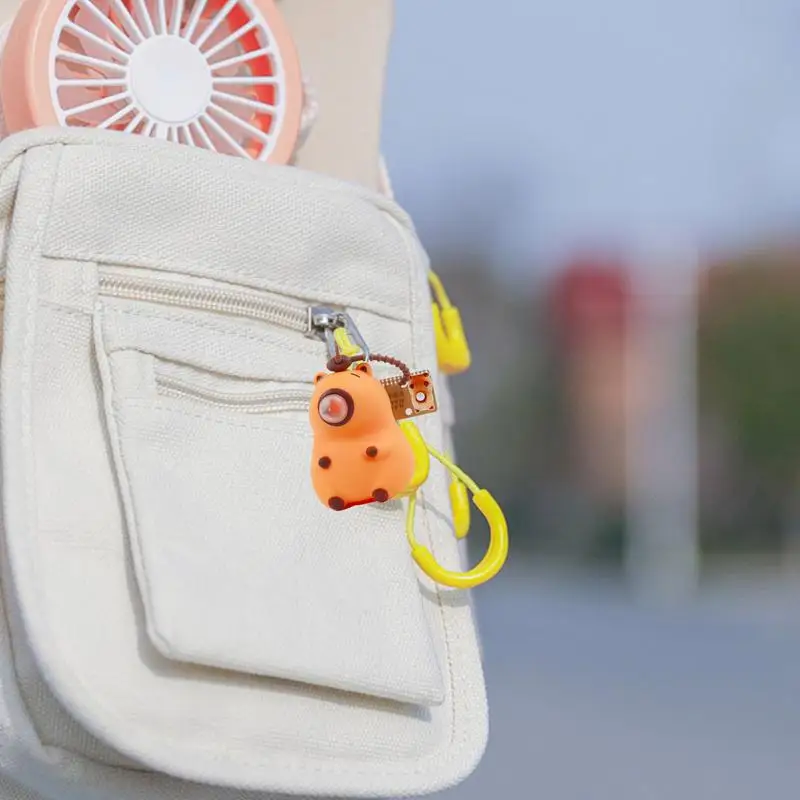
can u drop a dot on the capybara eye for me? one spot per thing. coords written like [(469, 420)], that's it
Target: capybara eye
[(335, 407)]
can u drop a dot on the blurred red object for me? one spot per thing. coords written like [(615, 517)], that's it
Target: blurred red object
[(589, 308), (590, 297)]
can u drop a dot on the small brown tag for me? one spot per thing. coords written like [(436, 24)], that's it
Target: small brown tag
[(412, 399)]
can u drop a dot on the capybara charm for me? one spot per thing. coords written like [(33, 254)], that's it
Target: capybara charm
[(360, 454)]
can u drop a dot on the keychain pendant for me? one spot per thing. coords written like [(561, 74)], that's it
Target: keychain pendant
[(367, 448), (360, 454)]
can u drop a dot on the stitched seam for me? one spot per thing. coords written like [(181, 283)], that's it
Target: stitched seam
[(63, 308), (18, 697), (27, 375), (31, 286), (122, 480), (414, 277), (29, 737), (255, 422)]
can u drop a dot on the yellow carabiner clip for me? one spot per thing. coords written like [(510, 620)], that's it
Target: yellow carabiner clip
[(459, 495), (497, 552), (459, 503), (452, 348), (422, 461), (344, 344)]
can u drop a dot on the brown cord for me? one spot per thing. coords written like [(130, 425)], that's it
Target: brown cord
[(340, 363), (395, 362)]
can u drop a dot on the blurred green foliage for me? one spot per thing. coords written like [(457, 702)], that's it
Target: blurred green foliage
[(751, 372), (513, 431), (749, 385)]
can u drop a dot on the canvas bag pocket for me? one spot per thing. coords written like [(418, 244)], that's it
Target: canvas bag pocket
[(239, 565)]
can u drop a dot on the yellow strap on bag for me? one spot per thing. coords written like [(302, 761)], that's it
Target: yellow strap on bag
[(452, 349)]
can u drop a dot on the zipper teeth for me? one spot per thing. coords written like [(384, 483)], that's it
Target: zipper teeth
[(205, 298), (252, 403)]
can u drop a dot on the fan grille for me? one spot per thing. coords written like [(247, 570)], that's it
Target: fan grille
[(206, 73)]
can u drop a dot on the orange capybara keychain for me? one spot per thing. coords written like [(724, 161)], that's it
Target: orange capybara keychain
[(367, 449), (360, 453)]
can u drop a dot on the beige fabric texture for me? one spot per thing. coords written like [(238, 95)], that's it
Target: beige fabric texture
[(132, 548)]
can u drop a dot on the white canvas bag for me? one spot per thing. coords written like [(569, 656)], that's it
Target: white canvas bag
[(182, 617)]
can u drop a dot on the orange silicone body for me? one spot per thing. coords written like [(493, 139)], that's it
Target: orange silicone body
[(366, 458)]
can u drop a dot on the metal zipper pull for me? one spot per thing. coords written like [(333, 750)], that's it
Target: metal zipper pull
[(338, 331)]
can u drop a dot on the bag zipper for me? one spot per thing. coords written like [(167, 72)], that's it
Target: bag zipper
[(272, 402), (318, 322), (206, 298)]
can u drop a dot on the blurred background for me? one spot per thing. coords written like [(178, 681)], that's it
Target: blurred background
[(611, 193)]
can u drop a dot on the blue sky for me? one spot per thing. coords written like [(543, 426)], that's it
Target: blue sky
[(542, 126)]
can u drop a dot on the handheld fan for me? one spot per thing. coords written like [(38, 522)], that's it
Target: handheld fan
[(217, 74)]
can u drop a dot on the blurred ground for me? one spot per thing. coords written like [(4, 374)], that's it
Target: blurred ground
[(593, 696)]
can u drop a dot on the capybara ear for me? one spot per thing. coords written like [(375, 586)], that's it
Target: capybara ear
[(363, 367), (319, 376)]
